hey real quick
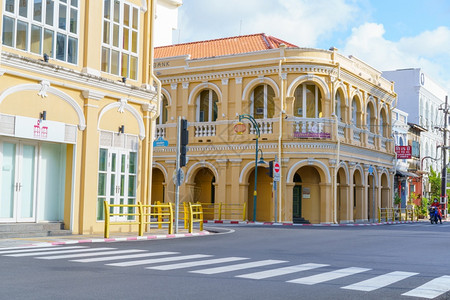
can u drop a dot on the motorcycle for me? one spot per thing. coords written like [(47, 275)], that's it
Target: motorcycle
[(434, 215)]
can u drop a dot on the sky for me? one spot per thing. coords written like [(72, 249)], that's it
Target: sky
[(386, 34)]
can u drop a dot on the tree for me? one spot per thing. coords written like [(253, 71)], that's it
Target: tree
[(435, 182)]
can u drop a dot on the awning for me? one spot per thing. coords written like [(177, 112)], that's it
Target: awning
[(405, 174)]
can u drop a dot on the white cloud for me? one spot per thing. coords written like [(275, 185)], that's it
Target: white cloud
[(428, 50), (300, 22)]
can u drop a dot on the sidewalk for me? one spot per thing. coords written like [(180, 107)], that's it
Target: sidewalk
[(154, 234)]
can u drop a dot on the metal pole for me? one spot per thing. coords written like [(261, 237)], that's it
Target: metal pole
[(177, 181), (444, 154), (258, 134), (275, 195), (256, 181), (373, 200)]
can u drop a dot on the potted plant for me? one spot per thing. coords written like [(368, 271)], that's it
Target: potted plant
[(397, 200)]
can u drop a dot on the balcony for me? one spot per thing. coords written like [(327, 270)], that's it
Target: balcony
[(294, 129)]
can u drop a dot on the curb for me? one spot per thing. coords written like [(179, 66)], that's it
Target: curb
[(119, 239), (309, 225)]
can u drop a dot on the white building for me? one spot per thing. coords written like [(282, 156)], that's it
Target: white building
[(422, 98), (166, 21)]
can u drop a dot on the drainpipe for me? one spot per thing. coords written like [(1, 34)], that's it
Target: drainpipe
[(338, 144), (393, 139), (152, 122), (280, 134)]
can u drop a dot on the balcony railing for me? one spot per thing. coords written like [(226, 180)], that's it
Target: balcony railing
[(160, 131), (311, 127), (357, 133), (202, 129), (265, 126)]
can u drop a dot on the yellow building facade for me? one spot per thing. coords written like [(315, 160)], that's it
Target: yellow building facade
[(325, 117), (77, 103)]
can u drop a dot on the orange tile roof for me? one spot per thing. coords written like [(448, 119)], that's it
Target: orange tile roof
[(224, 46)]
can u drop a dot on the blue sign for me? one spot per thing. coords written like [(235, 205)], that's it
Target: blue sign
[(371, 170), (160, 142)]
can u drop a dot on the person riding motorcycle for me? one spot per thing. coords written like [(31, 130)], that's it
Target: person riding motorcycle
[(436, 204)]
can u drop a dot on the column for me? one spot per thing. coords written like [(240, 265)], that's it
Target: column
[(89, 162), (91, 61), (221, 181), (346, 211), (238, 97), (287, 213), (326, 207)]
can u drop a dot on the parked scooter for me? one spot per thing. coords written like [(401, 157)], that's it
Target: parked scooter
[(434, 218)]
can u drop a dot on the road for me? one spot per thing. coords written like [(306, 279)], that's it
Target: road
[(404, 261)]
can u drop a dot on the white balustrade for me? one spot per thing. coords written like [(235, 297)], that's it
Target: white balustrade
[(357, 133), (202, 129), (341, 128), (160, 132), (265, 126), (311, 127), (371, 138)]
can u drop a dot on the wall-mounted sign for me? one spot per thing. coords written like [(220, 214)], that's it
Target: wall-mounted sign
[(37, 129), (306, 193), (403, 152), (317, 135)]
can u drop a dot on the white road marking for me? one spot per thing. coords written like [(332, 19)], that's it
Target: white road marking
[(239, 266), (319, 278), (59, 252), (281, 271), (157, 260), (431, 289), (91, 254), (97, 259), (196, 263), (35, 250), (379, 281)]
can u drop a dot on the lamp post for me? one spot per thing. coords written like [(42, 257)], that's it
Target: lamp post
[(255, 125)]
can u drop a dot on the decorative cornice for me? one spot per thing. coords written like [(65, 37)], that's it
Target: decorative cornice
[(70, 77), (91, 94)]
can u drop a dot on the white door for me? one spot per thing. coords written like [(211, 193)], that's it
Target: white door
[(17, 181), (117, 182)]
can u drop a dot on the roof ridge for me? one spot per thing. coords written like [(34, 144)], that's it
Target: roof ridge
[(212, 40)]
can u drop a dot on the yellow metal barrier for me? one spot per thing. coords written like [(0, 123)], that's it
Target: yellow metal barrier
[(224, 211), (139, 214), (391, 214), (196, 215), (129, 215), (157, 214)]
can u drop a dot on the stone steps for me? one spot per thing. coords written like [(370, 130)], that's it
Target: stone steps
[(21, 230)]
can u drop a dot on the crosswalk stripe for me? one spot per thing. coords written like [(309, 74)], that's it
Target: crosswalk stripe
[(319, 278), (97, 259), (281, 271), (196, 263), (239, 266), (27, 247), (157, 260), (91, 254), (431, 289), (58, 252), (37, 250), (379, 281)]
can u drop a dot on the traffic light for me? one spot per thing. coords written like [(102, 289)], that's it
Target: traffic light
[(184, 140), (270, 173)]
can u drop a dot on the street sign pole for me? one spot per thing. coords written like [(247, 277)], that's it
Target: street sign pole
[(177, 169), (276, 178)]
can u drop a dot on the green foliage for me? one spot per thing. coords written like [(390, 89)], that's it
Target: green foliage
[(422, 209), (397, 199), (435, 181)]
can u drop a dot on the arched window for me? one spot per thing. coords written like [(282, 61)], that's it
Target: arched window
[(207, 106), (337, 106), (382, 125), (308, 101), (261, 102), (354, 112), (162, 119), (370, 118)]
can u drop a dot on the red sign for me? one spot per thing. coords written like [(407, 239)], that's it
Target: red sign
[(276, 167), (403, 152)]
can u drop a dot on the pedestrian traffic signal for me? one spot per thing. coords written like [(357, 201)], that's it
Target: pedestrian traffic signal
[(184, 140), (270, 173)]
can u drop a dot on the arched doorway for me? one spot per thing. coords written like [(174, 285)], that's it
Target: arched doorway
[(158, 186), (264, 205), (385, 191), (358, 196), (204, 190), (306, 195), (297, 200)]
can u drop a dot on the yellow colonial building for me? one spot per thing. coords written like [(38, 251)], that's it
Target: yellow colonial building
[(77, 101), (325, 117)]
